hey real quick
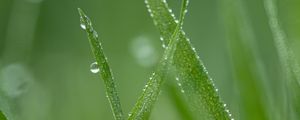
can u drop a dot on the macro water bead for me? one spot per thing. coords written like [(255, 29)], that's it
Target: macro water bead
[(94, 68)]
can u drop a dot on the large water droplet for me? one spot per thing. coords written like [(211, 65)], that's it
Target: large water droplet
[(82, 23), (94, 68)]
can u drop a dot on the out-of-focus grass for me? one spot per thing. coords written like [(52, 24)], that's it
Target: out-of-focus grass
[(65, 88)]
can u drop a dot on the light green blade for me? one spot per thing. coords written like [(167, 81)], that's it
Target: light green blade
[(289, 64), (105, 71)]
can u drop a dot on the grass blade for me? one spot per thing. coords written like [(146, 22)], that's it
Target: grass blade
[(152, 89), (286, 54), (192, 76), (105, 71), (248, 75), (290, 65), (2, 117)]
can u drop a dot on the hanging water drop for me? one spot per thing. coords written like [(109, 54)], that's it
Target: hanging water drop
[(82, 24), (94, 68)]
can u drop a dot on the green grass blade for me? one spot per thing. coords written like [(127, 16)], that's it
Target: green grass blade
[(286, 54), (179, 102), (192, 76), (152, 89), (2, 117), (245, 62), (290, 65), (105, 71)]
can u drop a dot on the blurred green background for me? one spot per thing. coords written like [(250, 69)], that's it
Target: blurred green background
[(45, 56)]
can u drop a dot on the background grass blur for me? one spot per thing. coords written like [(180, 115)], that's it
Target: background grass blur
[(45, 56)]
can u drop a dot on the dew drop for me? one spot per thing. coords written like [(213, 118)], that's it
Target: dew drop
[(163, 45), (82, 23), (161, 38), (185, 11), (173, 15), (177, 21), (182, 91), (194, 49), (83, 26), (94, 68), (224, 105), (95, 34), (217, 90)]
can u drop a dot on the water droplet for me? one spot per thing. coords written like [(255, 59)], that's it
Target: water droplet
[(173, 15), (161, 38), (194, 49), (166, 57), (177, 79), (176, 21), (179, 84), (163, 45), (217, 90), (95, 34), (185, 11), (94, 67), (151, 15), (82, 23), (83, 26), (182, 91), (188, 39), (224, 105)]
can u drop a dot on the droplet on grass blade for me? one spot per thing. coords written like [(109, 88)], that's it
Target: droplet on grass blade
[(94, 68), (82, 24)]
